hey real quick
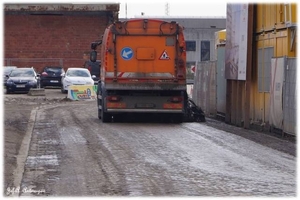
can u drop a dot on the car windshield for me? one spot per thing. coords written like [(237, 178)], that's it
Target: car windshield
[(53, 69), (22, 73), (80, 73), (7, 70)]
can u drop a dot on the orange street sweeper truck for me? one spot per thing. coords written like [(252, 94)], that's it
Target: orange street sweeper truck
[(143, 69)]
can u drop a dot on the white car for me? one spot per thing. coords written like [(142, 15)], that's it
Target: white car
[(75, 76)]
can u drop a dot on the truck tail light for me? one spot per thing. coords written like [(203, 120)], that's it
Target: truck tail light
[(175, 99), (115, 105), (173, 106), (113, 98)]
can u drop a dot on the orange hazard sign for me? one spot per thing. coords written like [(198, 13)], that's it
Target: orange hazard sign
[(164, 56)]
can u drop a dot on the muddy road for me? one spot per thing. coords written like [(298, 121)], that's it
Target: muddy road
[(68, 151)]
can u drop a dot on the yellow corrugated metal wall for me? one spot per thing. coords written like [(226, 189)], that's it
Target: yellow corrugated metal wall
[(220, 38), (274, 28)]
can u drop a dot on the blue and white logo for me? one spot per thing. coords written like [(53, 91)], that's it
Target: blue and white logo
[(126, 53)]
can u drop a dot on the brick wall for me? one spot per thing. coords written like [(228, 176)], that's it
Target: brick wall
[(39, 40)]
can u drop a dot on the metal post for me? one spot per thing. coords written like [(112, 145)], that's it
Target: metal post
[(250, 49), (228, 101)]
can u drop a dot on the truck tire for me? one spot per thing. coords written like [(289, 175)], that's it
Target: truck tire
[(99, 113), (98, 101), (104, 115), (178, 118)]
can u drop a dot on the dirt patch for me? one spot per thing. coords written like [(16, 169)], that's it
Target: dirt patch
[(17, 113), (286, 144), (17, 110), (15, 125)]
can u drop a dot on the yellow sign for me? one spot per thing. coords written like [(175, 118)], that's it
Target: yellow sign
[(82, 92)]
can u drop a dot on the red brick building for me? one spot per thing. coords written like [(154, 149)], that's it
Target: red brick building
[(36, 35)]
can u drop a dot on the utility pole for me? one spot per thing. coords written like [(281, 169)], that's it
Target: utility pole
[(126, 10), (167, 9)]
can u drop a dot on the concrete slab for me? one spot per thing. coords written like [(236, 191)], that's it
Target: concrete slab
[(37, 92)]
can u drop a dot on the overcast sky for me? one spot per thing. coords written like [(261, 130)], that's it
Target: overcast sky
[(180, 8), (189, 8), (173, 8)]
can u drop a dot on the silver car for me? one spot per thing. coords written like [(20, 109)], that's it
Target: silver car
[(6, 72)]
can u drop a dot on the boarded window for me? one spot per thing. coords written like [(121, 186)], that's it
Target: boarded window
[(190, 45), (264, 57), (205, 50)]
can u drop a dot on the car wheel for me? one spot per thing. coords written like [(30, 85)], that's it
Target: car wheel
[(63, 90), (8, 91)]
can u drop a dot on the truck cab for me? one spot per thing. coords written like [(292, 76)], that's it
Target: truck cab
[(94, 68)]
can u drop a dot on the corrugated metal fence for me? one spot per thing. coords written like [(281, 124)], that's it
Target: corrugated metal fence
[(283, 109), (204, 92), (290, 97), (221, 82), (209, 91)]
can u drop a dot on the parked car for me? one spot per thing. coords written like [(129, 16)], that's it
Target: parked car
[(7, 70), (94, 68), (21, 79), (51, 76), (76, 76)]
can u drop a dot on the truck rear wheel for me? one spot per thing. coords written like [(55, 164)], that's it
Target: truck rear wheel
[(106, 118), (99, 113), (104, 115), (178, 118), (98, 105)]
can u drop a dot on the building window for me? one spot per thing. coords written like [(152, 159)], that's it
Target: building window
[(205, 50), (264, 57), (190, 45)]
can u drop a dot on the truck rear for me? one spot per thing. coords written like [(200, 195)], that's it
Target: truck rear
[(143, 69)]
